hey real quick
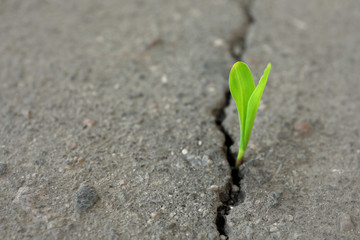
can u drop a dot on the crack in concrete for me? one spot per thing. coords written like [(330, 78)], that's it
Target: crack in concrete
[(232, 195)]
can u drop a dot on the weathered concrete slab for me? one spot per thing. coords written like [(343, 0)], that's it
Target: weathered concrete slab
[(107, 123), (301, 171)]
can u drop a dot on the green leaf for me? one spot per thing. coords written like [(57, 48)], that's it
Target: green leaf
[(247, 99), (241, 85), (253, 106)]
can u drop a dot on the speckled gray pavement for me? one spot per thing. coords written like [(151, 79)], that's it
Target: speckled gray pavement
[(112, 120), (107, 118), (301, 174)]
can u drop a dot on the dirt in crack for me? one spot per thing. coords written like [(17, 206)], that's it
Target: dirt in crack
[(234, 196)]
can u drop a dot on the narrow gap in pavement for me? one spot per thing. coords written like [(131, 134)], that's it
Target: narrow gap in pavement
[(234, 196)]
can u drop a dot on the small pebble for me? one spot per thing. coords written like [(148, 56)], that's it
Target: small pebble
[(154, 214), (253, 147), (26, 113), (235, 188), (88, 123), (219, 42), (223, 237), (262, 106), (302, 129), (153, 217), (164, 79), (184, 151), (214, 188), (85, 197), (345, 222)]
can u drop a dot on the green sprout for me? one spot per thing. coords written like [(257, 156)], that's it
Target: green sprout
[(247, 99)]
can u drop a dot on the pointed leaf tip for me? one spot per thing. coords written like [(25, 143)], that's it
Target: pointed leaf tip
[(253, 105), (241, 85)]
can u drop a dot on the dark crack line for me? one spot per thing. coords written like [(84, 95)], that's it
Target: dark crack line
[(234, 195)]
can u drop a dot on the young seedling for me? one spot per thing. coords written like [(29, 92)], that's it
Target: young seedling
[(247, 99)]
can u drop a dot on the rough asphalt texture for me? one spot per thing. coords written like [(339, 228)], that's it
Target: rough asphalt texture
[(108, 119), (301, 173), (119, 95)]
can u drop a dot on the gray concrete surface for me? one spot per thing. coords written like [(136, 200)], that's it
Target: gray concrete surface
[(301, 173), (109, 113), (107, 118)]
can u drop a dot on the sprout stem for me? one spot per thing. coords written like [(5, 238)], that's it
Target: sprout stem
[(239, 158)]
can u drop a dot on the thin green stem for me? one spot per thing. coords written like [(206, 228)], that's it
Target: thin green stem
[(239, 158)]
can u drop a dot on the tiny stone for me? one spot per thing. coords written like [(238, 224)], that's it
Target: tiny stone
[(81, 160), (214, 188), (26, 113), (154, 214), (235, 188), (85, 197), (302, 128), (345, 222), (88, 123), (164, 79), (2, 168), (253, 146), (223, 237), (184, 151), (206, 160), (218, 42), (262, 106), (273, 229)]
